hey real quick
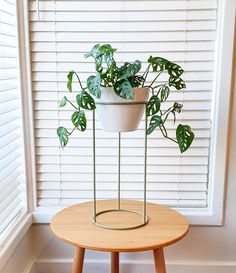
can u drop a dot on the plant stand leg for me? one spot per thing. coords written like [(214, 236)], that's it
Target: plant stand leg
[(78, 260), (114, 262), (159, 260)]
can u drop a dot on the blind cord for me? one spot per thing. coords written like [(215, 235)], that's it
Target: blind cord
[(183, 97), (37, 10), (58, 116)]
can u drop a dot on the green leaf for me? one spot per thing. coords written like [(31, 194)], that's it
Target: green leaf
[(99, 53), (164, 91), (124, 89), (154, 123), (111, 72), (63, 136), (69, 80), (129, 69), (153, 105), (79, 120), (106, 49), (98, 64), (93, 84), (174, 70), (136, 80), (158, 63), (184, 136), (177, 107), (93, 52), (63, 101), (85, 101), (177, 82)]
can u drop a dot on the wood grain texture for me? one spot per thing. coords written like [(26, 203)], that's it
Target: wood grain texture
[(74, 226), (78, 260), (159, 260)]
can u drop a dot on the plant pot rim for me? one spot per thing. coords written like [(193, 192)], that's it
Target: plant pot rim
[(109, 97)]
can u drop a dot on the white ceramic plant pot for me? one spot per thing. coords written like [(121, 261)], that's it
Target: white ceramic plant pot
[(123, 117)]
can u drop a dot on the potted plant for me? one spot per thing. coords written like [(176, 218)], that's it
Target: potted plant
[(121, 93)]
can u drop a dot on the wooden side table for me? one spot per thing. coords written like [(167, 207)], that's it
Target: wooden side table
[(74, 226)]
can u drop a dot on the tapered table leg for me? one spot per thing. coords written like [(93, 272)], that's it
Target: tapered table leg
[(78, 260), (159, 259), (114, 262)]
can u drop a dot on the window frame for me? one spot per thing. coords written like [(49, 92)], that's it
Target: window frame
[(25, 220), (213, 214)]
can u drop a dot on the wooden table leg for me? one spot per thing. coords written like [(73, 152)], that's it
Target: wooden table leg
[(159, 259), (114, 262), (78, 260)]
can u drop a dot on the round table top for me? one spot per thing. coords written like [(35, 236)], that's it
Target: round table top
[(74, 226)]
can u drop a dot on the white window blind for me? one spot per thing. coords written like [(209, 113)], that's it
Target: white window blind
[(12, 181), (182, 31)]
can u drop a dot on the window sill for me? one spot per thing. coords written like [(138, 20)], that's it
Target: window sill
[(196, 217), (14, 239)]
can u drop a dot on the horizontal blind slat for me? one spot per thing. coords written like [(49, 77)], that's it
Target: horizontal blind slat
[(66, 30), (116, 5), (12, 196), (125, 16)]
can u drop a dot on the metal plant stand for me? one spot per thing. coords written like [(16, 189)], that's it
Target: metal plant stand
[(143, 214)]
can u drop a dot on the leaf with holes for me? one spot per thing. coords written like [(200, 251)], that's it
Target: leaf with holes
[(63, 136), (153, 105), (79, 120), (63, 101), (158, 63), (154, 123), (69, 80), (93, 52), (107, 51), (177, 107), (174, 70), (100, 53), (184, 136), (93, 84), (136, 81), (177, 82), (129, 70), (124, 89), (164, 91), (85, 101)]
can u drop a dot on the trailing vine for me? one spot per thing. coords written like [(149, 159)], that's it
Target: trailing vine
[(123, 79)]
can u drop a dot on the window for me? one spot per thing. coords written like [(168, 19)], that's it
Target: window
[(13, 207), (183, 31)]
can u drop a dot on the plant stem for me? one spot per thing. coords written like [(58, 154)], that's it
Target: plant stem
[(69, 133), (158, 86), (72, 104), (81, 86), (152, 91), (168, 110), (155, 78), (145, 74), (166, 117), (164, 133)]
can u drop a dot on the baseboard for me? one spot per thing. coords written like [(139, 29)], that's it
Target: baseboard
[(129, 266)]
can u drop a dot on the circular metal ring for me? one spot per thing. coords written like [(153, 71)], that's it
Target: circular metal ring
[(119, 228)]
